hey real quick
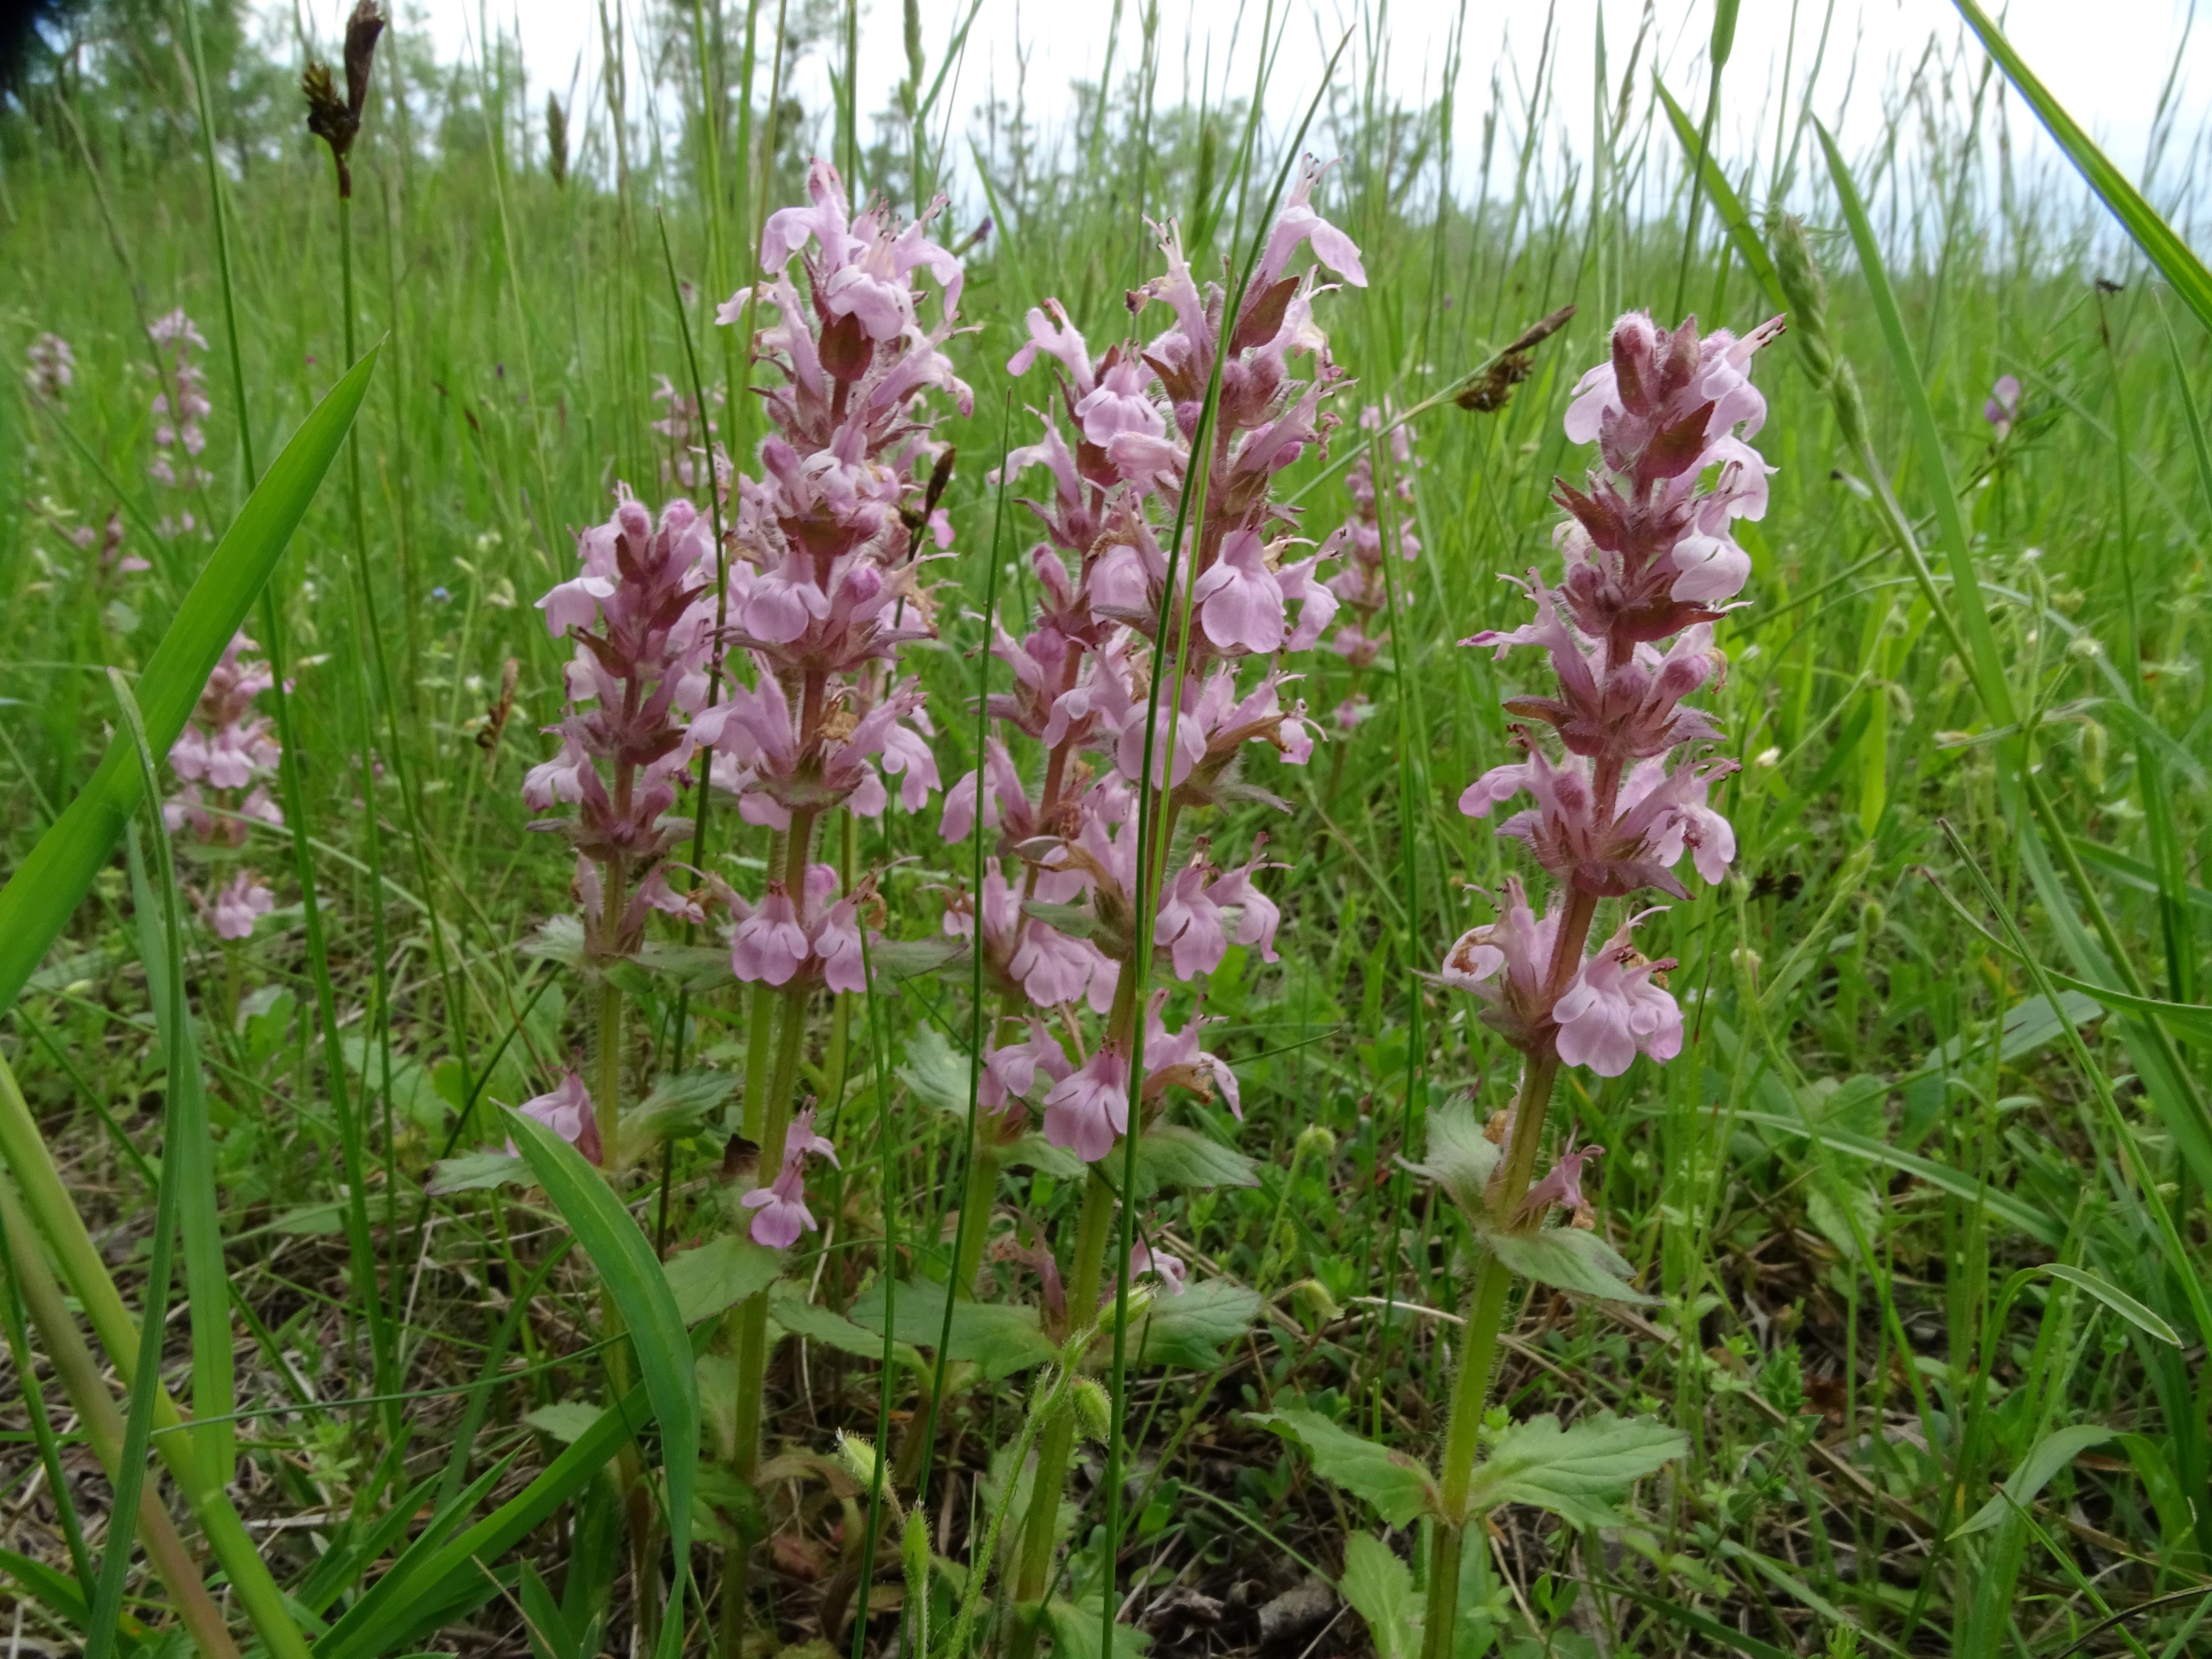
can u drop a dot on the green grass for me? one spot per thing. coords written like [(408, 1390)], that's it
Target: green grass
[(1969, 695)]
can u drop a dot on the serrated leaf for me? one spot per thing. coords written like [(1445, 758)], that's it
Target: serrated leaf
[(788, 1305), (718, 1274), (935, 1074), (556, 939), (1172, 1155), (1397, 1487), (474, 1170), (1572, 1471), (910, 958), (694, 967), (1003, 1337), (1380, 1588), (1076, 920), (2045, 1459), (1189, 1332), (1569, 1259), (567, 1421), (1034, 1151), (676, 1107), (1460, 1157)]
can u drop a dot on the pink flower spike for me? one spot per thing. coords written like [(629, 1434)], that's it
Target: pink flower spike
[(1086, 1111), (241, 902)]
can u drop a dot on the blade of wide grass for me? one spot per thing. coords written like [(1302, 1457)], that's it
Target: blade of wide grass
[(189, 1157), (39, 897), (138, 1423), (2173, 256), (634, 1278)]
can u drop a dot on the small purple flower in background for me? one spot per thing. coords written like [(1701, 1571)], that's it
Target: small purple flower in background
[(781, 1205), (567, 1111), (179, 407), (223, 759), (680, 424), (1362, 585), (50, 369), (2003, 408)]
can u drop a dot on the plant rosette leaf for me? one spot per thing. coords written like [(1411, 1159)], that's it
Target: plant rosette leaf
[(1171, 1155), (1461, 1158), (1380, 1588), (1003, 1338), (1572, 1472), (789, 1307), (1568, 1258), (1189, 1332), (1394, 1485), (718, 1274)]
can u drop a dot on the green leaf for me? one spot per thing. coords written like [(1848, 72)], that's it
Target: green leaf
[(676, 1107), (694, 967), (1399, 1488), (2045, 1459), (2157, 238), (1569, 1259), (414, 1090), (910, 958), (559, 938), (935, 1074), (63, 1596), (1003, 1337), (1075, 1627), (720, 1274), (789, 1306), (2015, 1211), (2117, 1300), (1173, 1155), (1189, 1332), (1076, 920), (1460, 1157), (567, 1420), (633, 1277), (472, 1171), (40, 895), (1572, 1472), (1984, 663), (1380, 1588), (1726, 202), (1034, 1151)]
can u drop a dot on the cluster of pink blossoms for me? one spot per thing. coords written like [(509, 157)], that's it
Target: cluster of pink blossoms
[(49, 368), (179, 407), (223, 759), (1362, 587), (684, 465), (1116, 442), (1650, 564)]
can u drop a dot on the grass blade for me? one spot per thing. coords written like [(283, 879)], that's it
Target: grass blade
[(1726, 202), (2157, 238), (36, 904), (634, 1278)]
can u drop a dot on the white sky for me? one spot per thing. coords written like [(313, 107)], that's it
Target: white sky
[(2106, 61)]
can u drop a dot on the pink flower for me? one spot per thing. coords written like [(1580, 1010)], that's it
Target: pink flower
[(1168, 1269), (1563, 1184), (1118, 405), (1058, 338), (2001, 410), (1297, 222), (769, 945), (1240, 602), (1087, 1110), (238, 903), (1613, 1010), (783, 1214), (567, 1111)]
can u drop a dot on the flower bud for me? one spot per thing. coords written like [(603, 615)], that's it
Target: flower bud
[(1315, 1140), (1094, 1412)]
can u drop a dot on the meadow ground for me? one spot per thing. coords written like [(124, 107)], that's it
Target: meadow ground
[(1908, 1308)]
